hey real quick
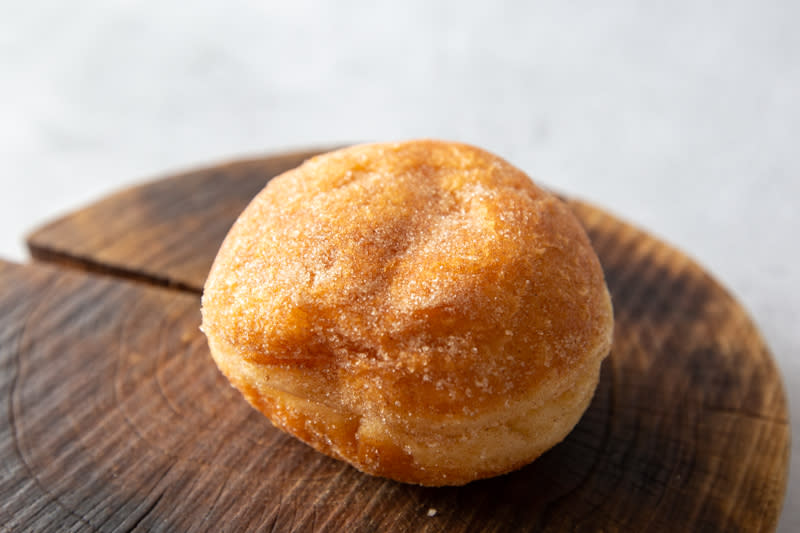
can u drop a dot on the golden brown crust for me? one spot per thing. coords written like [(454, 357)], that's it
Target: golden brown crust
[(421, 310)]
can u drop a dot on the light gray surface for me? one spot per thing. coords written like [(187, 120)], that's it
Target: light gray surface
[(684, 119)]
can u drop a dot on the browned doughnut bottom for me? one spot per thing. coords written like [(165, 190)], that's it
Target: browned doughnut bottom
[(420, 310)]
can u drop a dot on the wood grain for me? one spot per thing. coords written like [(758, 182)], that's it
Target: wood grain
[(114, 417), (160, 231)]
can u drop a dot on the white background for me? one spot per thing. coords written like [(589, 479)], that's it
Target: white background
[(684, 118)]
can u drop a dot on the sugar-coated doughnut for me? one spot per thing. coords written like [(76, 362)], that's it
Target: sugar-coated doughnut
[(420, 310)]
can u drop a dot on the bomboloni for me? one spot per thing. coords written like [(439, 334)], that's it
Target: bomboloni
[(421, 310)]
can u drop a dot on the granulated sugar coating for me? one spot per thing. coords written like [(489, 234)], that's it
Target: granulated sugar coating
[(421, 310)]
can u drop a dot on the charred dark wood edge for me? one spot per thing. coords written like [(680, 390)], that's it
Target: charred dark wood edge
[(69, 260)]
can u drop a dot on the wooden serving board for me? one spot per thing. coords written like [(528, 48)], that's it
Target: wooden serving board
[(113, 416)]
